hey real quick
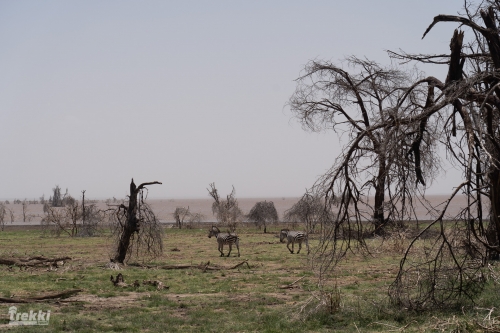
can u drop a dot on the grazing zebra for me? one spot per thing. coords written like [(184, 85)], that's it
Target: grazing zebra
[(294, 237), (224, 238)]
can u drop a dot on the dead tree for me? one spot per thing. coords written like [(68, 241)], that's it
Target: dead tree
[(91, 218), (378, 110), (308, 210), (262, 214), (136, 219), (183, 215), (3, 212), (61, 220), (194, 218), (25, 205), (227, 212), (56, 199), (180, 214), (54, 221), (451, 272), (362, 101)]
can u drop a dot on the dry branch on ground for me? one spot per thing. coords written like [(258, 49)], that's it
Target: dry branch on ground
[(205, 266), (291, 285), (31, 299)]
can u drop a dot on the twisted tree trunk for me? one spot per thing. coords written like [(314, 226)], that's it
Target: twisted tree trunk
[(132, 223)]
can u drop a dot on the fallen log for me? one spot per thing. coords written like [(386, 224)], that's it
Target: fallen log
[(31, 299), (205, 266), (33, 261)]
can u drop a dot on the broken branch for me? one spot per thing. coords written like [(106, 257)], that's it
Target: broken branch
[(63, 294), (289, 286)]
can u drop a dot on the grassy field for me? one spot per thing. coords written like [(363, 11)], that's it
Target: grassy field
[(246, 299)]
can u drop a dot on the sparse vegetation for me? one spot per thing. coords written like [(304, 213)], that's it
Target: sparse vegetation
[(369, 271), (249, 298)]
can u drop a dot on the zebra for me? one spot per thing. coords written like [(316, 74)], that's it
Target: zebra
[(224, 238), (294, 237)]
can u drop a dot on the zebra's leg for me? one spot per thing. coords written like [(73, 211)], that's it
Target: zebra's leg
[(230, 248), (307, 244), (238, 246), (300, 246), (221, 249), (288, 247)]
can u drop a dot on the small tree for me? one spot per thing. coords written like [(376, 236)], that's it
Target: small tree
[(180, 214), (195, 218), (74, 215), (54, 221), (262, 214), (227, 212), (183, 214), (25, 211), (92, 217)]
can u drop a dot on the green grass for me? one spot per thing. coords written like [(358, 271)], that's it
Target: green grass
[(240, 300)]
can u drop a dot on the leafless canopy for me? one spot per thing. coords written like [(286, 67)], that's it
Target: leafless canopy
[(382, 157), (362, 101), (310, 210)]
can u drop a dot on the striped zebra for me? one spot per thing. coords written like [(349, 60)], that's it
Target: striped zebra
[(294, 237), (224, 238)]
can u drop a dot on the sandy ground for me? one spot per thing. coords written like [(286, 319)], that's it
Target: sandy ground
[(164, 208)]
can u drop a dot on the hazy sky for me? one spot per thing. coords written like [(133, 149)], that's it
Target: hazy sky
[(93, 93)]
